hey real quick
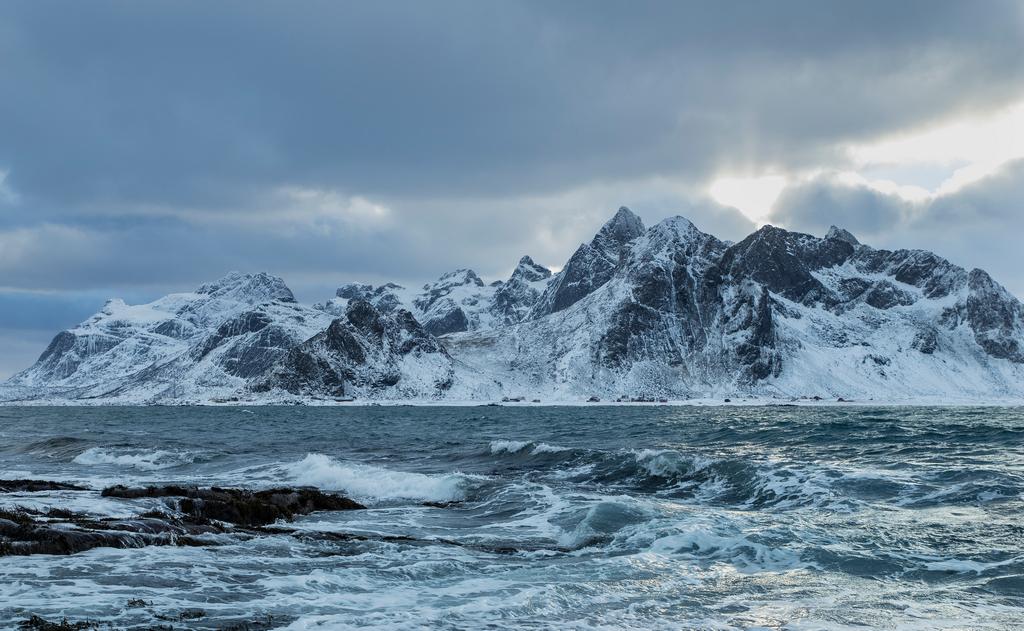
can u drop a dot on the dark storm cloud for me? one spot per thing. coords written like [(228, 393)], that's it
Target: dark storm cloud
[(153, 145), (816, 205), (209, 105)]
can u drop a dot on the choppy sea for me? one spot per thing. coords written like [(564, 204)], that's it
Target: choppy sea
[(634, 517)]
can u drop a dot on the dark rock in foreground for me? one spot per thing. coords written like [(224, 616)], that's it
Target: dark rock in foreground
[(199, 515), (35, 623), (35, 486), (241, 507)]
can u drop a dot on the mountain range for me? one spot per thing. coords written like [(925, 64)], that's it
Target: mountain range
[(665, 312)]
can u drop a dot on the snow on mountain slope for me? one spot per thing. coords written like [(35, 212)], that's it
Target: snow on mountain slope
[(592, 265), (664, 312), (364, 353), (181, 347), (779, 314), (457, 301)]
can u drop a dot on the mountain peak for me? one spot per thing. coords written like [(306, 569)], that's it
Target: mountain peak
[(461, 276), (250, 288), (623, 227), (530, 271), (835, 232), (678, 224)]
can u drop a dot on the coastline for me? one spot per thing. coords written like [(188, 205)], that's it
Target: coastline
[(766, 402)]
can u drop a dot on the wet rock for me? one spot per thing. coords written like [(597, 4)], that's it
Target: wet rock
[(188, 614), (198, 516), (241, 507), (23, 532), (35, 623), (266, 622), (36, 486)]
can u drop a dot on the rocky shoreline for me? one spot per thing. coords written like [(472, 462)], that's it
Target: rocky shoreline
[(189, 516), (186, 516)]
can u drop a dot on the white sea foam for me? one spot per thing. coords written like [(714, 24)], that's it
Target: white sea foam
[(667, 464), (967, 565), (508, 446), (544, 448), (519, 446), (145, 459), (368, 481), (701, 542)]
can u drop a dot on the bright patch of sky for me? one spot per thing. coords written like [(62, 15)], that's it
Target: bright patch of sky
[(917, 165)]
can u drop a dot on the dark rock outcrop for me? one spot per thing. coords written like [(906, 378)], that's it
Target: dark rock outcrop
[(240, 507), (384, 297), (365, 352), (36, 486), (442, 302), (61, 532), (514, 299), (783, 262), (592, 265), (193, 517), (995, 317), (835, 232), (668, 310)]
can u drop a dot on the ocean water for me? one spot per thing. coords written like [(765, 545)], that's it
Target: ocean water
[(568, 518)]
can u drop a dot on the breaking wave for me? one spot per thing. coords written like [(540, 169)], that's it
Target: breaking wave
[(524, 446), (746, 482), (367, 481), (58, 447), (144, 459), (533, 518)]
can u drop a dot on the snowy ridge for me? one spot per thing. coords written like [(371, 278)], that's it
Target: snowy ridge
[(666, 312)]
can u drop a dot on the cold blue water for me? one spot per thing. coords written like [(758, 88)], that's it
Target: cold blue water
[(545, 517)]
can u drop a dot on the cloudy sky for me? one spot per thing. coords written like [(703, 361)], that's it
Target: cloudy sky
[(148, 147)]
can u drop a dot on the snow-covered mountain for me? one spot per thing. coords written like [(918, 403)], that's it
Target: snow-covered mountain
[(208, 343), (458, 301), (661, 312)]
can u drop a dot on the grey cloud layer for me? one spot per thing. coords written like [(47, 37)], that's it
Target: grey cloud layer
[(153, 145), (209, 105), (976, 226)]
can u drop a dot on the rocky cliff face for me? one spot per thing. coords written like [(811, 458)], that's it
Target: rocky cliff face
[(456, 302), (784, 314), (668, 311), (514, 299), (592, 264), (365, 353)]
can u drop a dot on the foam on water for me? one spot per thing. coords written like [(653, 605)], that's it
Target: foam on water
[(145, 459), (523, 446), (366, 481), (631, 518)]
